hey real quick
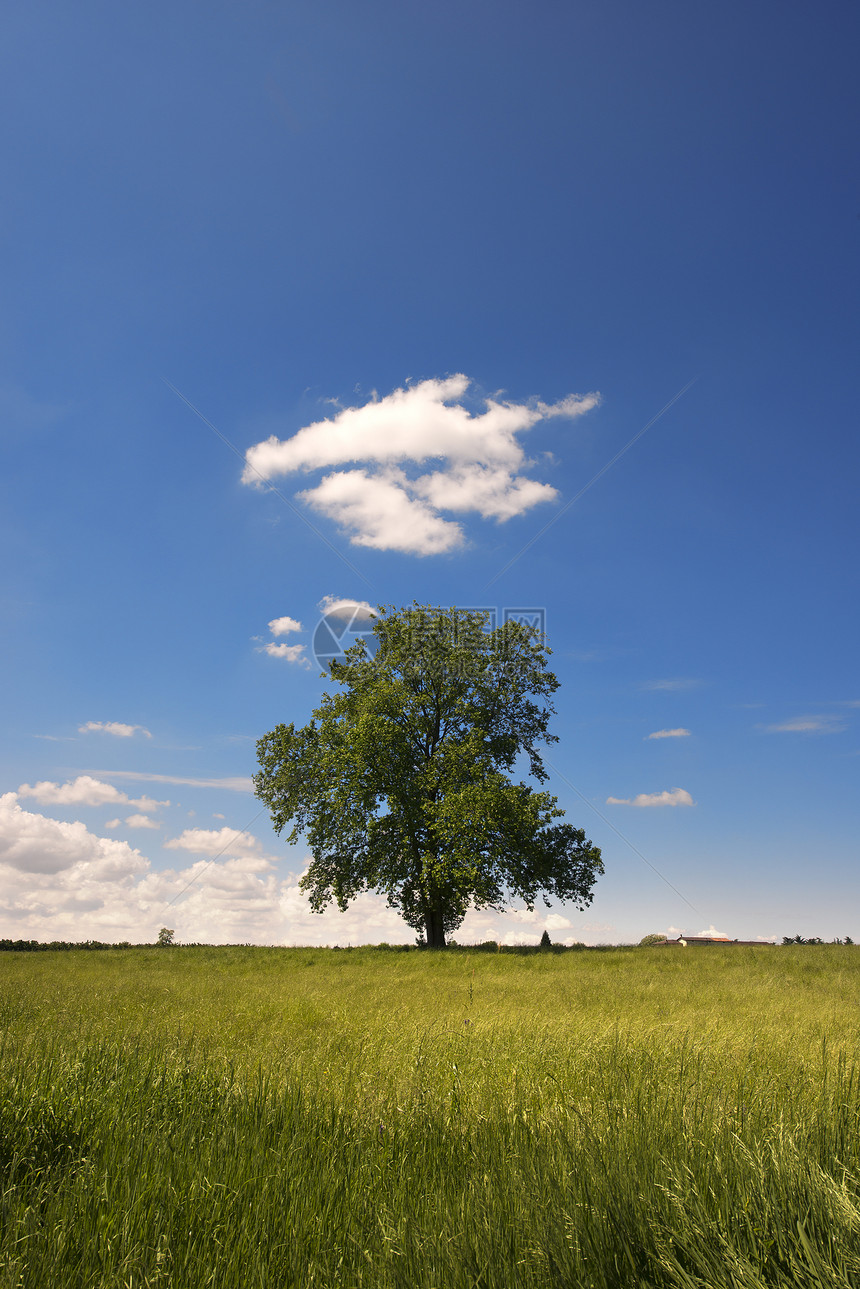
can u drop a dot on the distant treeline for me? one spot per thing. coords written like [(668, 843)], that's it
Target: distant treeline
[(36, 946), (488, 946)]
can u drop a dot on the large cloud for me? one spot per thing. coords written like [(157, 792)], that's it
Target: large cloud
[(59, 881), (31, 843), (382, 501)]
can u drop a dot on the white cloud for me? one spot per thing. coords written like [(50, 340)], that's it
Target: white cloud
[(283, 626), (555, 922), (477, 463), (141, 821), (84, 791), (60, 881), (237, 784), (349, 611), (291, 653), (381, 514), (714, 933), (216, 841), (32, 843), (113, 727), (807, 725), (677, 797), (679, 733)]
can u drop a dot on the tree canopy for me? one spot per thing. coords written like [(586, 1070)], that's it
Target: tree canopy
[(402, 780)]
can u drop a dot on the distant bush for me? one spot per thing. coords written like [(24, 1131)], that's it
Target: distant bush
[(654, 938)]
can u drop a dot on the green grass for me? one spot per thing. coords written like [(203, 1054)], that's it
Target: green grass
[(270, 1117)]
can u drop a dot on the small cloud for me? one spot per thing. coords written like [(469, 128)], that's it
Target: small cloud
[(334, 606), (113, 823), (679, 733), (714, 933), (677, 797), (806, 725), (290, 653), (672, 686), (555, 922), (283, 626), (231, 785), (217, 816), (113, 727), (141, 821)]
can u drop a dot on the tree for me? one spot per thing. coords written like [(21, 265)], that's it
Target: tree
[(401, 780), (165, 937), (545, 942)]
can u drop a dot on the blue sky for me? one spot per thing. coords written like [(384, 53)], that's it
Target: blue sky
[(288, 213)]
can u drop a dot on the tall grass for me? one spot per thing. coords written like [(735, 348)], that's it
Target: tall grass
[(245, 1117)]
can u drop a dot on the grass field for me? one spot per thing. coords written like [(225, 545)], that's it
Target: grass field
[(284, 1117)]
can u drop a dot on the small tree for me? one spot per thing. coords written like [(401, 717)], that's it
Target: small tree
[(654, 938), (545, 942), (400, 782), (165, 937)]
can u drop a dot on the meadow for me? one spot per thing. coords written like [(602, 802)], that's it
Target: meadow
[(243, 1117)]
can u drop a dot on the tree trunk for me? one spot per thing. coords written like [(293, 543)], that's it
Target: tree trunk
[(435, 929)]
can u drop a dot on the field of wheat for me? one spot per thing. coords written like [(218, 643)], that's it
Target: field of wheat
[(242, 1117)]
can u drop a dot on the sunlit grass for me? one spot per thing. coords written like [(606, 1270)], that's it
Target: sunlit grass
[(242, 1116)]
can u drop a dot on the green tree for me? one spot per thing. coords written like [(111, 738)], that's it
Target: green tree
[(165, 937), (401, 780)]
